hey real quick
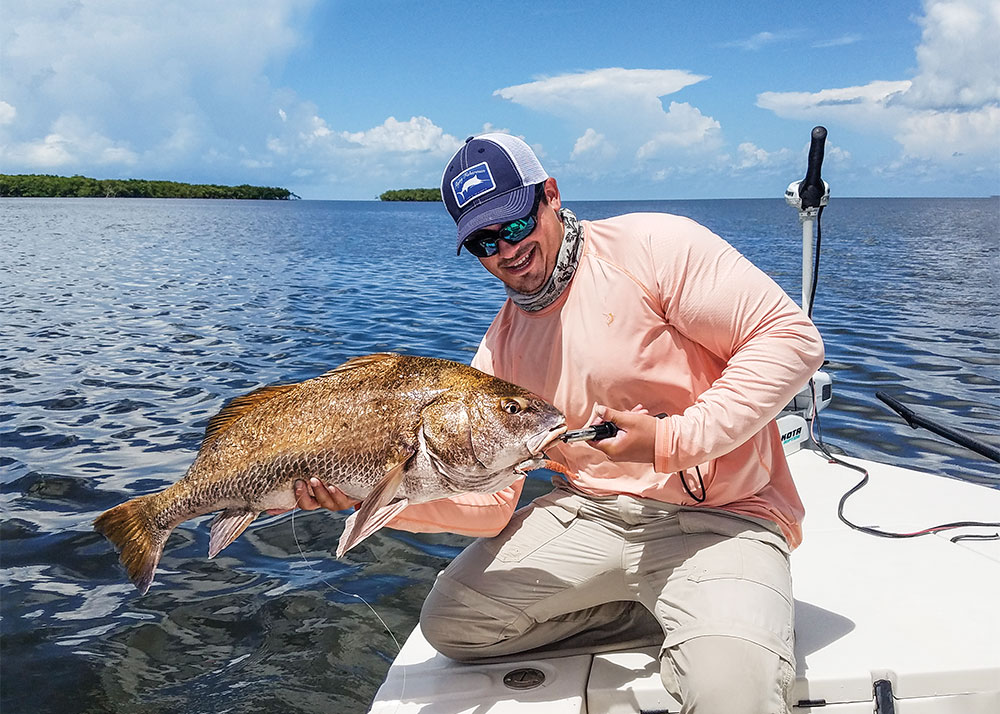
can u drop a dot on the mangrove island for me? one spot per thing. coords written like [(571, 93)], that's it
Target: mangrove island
[(411, 194), (43, 185)]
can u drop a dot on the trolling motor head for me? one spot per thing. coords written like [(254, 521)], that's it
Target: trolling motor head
[(812, 192)]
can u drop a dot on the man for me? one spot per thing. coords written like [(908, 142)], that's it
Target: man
[(676, 530)]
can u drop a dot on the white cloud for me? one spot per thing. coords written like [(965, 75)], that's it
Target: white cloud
[(600, 90), (751, 156), (974, 135), (594, 146), (121, 82), (7, 113), (949, 111), (683, 126), (958, 56), (181, 88), (626, 104), (419, 134), (48, 153), (71, 141), (762, 39), (841, 41), (859, 104), (321, 158)]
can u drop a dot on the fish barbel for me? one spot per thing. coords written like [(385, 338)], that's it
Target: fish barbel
[(387, 429)]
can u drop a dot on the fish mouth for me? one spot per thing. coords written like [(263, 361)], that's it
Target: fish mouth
[(536, 444)]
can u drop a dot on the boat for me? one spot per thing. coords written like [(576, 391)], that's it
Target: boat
[(891, 615)]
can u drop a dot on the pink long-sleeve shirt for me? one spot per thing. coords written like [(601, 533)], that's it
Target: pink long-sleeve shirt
[(664, 313)]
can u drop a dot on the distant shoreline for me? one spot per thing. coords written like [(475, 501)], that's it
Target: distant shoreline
[(411, 194), (49, 186)]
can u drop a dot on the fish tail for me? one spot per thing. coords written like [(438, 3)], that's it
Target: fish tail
[(130, 527)]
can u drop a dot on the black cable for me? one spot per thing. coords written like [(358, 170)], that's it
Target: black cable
[(972, 536), (815, 274), (863, 481), (701, 484)]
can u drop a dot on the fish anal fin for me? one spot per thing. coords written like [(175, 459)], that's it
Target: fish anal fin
[(227, 527), (239, 406), (378, 507), (358, 526)]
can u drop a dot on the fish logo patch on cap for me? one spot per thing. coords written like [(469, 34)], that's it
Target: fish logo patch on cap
[(474, 181)]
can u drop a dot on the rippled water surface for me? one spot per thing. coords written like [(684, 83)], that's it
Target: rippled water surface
[(127, 323)]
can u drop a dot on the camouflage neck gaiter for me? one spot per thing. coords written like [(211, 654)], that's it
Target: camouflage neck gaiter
[(566, 262)]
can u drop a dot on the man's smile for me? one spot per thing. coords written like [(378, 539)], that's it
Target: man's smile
[(521, 263)]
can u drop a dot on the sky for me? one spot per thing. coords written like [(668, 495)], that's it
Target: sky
[(620, 100)]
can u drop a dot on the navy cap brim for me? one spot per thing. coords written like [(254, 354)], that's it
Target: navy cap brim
[(510, 206)]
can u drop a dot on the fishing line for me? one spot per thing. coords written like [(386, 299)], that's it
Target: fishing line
[(399, 649)]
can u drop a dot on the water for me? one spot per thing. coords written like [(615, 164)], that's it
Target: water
[(127, 323)]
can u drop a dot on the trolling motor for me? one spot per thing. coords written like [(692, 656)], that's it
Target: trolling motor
[(808, 196)]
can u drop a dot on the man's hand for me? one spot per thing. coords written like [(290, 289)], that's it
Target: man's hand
[(636, 437), (315, 494)]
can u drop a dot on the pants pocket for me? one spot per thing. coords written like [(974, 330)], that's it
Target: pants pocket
[(733, 525), (531, 528), (737, 582)]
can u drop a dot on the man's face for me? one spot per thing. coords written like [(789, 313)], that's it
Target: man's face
[(525, 266)]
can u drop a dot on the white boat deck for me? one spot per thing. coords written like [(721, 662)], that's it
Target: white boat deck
[(922, 614)]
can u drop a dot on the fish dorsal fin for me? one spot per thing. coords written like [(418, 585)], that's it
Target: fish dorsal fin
[(363, 361), (238, 406)]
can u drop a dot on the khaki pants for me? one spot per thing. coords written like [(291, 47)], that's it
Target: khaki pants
[(573, 573)]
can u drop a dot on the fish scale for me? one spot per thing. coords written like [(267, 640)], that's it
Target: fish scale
[(386, 429)]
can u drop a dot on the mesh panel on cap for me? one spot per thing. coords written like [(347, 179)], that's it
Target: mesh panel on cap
[(521, 154)]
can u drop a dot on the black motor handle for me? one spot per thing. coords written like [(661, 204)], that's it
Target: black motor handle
[(811, 189)]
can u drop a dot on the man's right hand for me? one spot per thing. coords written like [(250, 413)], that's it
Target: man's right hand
[(636, 437), (315, 494)]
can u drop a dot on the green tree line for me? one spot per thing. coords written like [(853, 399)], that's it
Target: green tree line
[(82, 186), (411, 194)]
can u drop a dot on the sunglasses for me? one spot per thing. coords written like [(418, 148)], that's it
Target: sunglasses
[(485, 243)]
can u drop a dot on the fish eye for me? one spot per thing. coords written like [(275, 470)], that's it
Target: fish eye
[(513, 405)]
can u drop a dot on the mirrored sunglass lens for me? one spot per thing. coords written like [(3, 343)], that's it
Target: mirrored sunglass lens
[(485, 245), (517, 230), (482, 247)]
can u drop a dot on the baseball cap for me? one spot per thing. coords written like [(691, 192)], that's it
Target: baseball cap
[(491, 179)]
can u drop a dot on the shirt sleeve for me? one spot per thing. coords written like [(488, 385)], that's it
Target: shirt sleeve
[(480, 515), (714, 296), (483, 359)]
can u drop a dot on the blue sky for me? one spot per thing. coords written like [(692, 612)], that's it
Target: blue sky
[(343, 100)]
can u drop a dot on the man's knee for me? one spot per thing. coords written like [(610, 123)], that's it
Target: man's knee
[(456, 630), (727, 674)]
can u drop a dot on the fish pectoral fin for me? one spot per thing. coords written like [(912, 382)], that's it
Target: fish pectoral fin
[(378, 507), (227, 527), (359, 527)]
